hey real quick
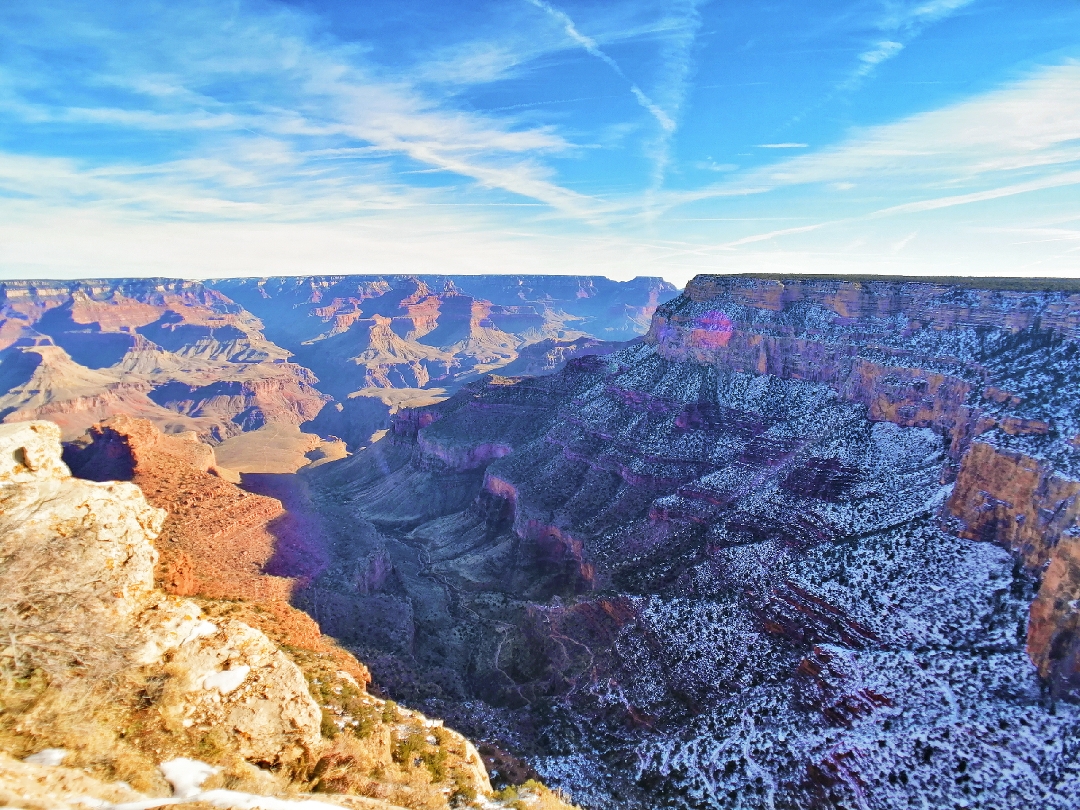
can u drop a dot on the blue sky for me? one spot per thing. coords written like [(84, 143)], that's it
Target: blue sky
[(622, 138)]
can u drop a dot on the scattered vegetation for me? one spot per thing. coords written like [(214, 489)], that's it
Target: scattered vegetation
[(532, 795)]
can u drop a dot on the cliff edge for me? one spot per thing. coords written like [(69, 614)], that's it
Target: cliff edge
[(115, 692)]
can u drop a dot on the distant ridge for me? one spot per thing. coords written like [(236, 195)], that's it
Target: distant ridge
[(971, 282)]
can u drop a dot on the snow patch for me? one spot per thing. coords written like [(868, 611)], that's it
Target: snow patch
[(48, 756), (186, 775), (227, 680), (202, 629)]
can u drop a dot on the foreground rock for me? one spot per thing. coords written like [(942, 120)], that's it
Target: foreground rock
[(811, 544), (107, 678)]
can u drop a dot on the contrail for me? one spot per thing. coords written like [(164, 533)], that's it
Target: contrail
[(589, 44)]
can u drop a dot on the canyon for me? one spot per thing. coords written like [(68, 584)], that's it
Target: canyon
[(328, 363), (150, 662), (776, 542), (812, 543)]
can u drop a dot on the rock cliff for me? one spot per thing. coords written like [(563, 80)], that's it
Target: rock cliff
[(106, 677), (217, 541), (811, 544)]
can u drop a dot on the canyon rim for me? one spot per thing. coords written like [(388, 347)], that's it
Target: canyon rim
[(805, 542)]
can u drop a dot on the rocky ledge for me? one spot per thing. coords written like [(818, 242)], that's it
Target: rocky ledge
[(115, 693)]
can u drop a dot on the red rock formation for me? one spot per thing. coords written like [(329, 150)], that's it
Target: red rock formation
[(1054, 626), (177, 353), (907, 395), (463, 457), (858, 343), (1023, 504), (912, 397), (559, 549), (1010, 497), (218, 541), (761, 485), (993, 305), (802, 617)]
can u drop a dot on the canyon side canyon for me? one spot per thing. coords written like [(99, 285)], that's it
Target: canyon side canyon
[(773, 542)]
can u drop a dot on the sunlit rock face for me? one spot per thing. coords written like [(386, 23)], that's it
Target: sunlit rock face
[(367, 337), (782, 554), (175, 352), (77, 565)]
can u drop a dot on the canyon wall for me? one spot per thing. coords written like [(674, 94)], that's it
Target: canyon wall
[(812, 543), (993, 370)]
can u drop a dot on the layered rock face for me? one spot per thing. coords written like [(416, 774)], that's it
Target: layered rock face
[(995, 371), (175, 352), (783, 554)]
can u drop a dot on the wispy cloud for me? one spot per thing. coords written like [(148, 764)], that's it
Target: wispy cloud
[(764, 237), (901, 22), (949, 175), (591, 47), (212, 85), (673, 81), (220, 137), (870, 59), (1026, 132), (937, 203)]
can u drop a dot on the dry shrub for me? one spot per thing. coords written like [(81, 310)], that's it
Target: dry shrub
[(56, 619), (378, 750), (63, 671), (532, 795)]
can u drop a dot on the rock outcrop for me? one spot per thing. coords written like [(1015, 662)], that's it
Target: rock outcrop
[(218, 539), (992, 370), (106, 528), (106, 677), (78, 561), (810, 544)]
